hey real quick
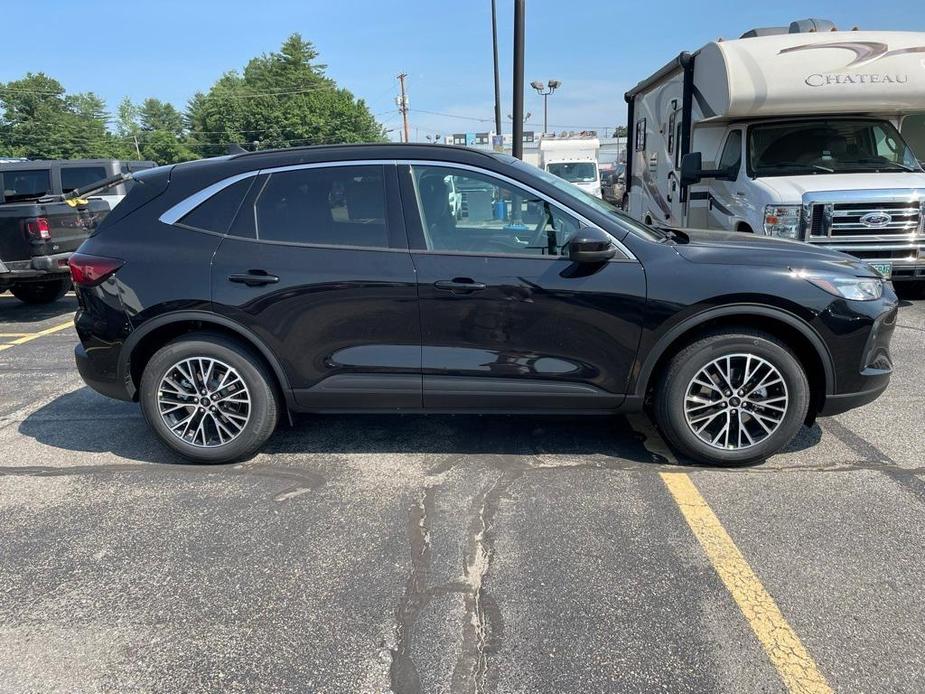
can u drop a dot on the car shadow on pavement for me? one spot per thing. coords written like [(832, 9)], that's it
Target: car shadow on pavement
[(12, 310), (83, 422)]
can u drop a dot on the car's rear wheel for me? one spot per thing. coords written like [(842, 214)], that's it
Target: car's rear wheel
[(732, 398), (41, 292), (209, 398)]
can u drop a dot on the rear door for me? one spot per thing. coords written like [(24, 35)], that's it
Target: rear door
[(507, 322), (316, 265)]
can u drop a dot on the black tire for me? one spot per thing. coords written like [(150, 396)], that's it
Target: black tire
[(264, 405), (671, 395), (41, 292)]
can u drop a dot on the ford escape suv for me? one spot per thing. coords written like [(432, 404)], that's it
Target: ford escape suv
[(222, 293)]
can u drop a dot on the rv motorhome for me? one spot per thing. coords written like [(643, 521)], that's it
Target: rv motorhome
[(573, 158), (797, 133)]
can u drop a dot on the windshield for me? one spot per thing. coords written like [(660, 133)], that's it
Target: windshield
[(827, 146), (574, 171), (576, 193)]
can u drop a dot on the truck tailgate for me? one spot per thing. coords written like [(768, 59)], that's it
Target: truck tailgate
[(68, 228)]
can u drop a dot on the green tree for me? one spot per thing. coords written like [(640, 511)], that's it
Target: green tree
[(165, 148), (40, 121), (281, 99), (155, 114)]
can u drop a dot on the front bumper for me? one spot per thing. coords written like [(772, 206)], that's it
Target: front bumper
[(906, 257), (863, 364)]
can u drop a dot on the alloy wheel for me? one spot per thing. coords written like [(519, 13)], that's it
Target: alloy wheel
[(204, 402), (736, 401)]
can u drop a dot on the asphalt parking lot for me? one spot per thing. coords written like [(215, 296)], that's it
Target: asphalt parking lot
[(452, 554)]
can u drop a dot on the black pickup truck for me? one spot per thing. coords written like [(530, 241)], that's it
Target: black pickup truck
[(36, 239)]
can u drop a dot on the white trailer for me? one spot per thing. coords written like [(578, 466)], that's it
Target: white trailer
[(573, 158), (789, 132)]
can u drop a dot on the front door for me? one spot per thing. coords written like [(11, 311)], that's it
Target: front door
[(507, 322), (316, 265)]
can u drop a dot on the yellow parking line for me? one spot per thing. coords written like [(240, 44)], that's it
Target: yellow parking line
[(34, 336), (14, 334), (793, 662)]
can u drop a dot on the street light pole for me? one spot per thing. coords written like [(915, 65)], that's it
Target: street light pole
[(517, 146), (494, 44), (544, 90)]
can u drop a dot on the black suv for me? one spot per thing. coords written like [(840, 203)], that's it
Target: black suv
[(221, 293)]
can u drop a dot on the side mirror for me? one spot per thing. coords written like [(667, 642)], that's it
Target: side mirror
[(590, 245), (691, 168)]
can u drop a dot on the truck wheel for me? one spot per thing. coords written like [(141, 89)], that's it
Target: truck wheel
[(209, 398), (732, 398), (41, 292)]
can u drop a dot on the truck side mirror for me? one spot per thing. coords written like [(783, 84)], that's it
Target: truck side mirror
[(691, 168)]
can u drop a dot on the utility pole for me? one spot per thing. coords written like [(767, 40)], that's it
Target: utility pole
[(402, 102), (517, 146), (494, 44)]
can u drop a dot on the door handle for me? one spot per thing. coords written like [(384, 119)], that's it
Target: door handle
[(460, 285), (254, 278)]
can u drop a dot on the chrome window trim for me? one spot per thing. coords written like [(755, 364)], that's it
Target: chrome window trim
[(187, 205)]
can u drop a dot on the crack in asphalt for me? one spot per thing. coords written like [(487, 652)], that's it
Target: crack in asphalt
[(302, 480), (906, 477)]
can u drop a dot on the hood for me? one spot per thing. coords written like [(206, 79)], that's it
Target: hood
[(790, 189), (738, 248)]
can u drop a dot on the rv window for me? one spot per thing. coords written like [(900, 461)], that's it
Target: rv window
[(641, 135), (671, 131), (914, 133), (732, 152)]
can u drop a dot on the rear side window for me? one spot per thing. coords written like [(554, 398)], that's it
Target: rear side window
[(25, 185), (336, 206), (73, 177), (217, 213)]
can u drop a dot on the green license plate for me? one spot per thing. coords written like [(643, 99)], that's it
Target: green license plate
[(885, 269)]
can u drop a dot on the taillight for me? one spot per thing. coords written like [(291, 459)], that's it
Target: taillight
[(37, 228), (90, 270)]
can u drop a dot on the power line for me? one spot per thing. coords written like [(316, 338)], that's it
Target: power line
[(491, 120)]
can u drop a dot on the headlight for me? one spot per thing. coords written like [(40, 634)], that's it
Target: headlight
[(782, 220), (854, 288)]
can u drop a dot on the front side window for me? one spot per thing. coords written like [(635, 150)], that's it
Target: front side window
[(827, 146), (487, 216), (25, 185), (731, 160), (73, 177), (336, 206), (913, 130)]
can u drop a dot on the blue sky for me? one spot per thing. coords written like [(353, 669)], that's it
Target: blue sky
[(597, 48)]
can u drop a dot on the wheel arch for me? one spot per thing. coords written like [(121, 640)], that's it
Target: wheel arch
[(795, 332), (143, 342)]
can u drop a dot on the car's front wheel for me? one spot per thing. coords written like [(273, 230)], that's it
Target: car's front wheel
[(209, 398), (732, 398)]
